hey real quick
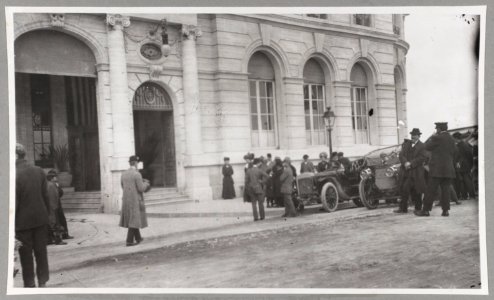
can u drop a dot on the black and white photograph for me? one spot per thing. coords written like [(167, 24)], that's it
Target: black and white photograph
[(288, 150)]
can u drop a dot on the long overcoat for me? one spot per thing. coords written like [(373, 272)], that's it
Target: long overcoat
[(443, 150), (465, 156), (32, 205), (416, 155), (133, 213)]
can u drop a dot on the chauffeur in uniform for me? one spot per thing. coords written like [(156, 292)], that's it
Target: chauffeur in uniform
[(412, 179), (441, 168)]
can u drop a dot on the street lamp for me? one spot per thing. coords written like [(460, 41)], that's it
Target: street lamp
[(329, 119)]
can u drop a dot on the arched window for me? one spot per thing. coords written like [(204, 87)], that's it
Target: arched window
[(360, 106), (262, 101), (314, 95)]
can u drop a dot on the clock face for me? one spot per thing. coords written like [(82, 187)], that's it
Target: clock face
[(151, 51)]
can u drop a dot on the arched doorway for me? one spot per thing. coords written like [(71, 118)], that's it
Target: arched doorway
[(56, 109), (154, 134)]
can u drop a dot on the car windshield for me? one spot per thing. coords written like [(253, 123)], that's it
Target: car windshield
[(387, 155)]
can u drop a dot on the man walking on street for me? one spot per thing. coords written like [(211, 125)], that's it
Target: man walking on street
[(412, 177), (255, 178), (31, 219), (133, 213), (441, 168)]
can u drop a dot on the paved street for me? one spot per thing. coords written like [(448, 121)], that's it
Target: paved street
[(351, 248)]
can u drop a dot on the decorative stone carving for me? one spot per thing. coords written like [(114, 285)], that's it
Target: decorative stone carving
[(191, 31), (319, 41), (114, 20), (265, 31), (155, 71), (57, 20)]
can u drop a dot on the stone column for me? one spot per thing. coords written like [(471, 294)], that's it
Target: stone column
[(121, 106), (105, 137), (198, 185), (386, 114), (191, 90), (342, 106)]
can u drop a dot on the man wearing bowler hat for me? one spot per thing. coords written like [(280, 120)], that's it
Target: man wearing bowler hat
[(255, 178), (412, 177), (441, 168), (133, 213)]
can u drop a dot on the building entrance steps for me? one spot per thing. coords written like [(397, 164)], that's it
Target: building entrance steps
[(164, 197)]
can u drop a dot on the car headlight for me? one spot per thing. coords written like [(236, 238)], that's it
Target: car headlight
[(366, 173), (392, 171)]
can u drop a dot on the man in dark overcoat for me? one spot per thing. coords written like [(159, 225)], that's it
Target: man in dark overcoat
[(32, 209), (306, 166), (441, 168), (286, 189), (255, 178), (412, 177), (133, 213), (464, 165)]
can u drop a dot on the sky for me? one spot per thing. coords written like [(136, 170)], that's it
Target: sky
[(441, 71)]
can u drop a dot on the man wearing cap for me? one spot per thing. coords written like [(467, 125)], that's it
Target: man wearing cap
[(255, 178), (441, 169), (306, 166), (412, 177), (323, 165), (464, 165), (32, 209), (133, 213)]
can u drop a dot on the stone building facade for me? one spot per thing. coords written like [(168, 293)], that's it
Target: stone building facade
[(103, 86)]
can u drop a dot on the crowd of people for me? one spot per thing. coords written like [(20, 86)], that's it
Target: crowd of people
[(446, 174), (39, 218), (273, 181)]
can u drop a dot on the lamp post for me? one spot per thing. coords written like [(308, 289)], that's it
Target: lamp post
[(329, 119)]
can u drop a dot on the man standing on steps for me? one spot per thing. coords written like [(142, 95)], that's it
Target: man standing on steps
[(412, 180), (133, 213), (441, 168), (32, 209)]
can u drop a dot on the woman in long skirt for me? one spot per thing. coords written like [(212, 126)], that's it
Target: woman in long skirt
[(228, 188)]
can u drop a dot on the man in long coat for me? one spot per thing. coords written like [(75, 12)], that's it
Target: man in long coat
[(32, 209), (441, 168), (255, 179), (412, 177), (306, 166), (133, 213), (464, 167), (286, 189)]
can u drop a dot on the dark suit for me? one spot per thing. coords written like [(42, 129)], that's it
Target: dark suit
[(286, 180), (255, 179), (346, 163), (306, 167), (464, 182), (412, 180), (441, 168), (31, 221)]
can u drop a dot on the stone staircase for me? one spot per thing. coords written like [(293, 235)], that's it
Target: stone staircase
[(90, 202), (84, 202), (164, 196)]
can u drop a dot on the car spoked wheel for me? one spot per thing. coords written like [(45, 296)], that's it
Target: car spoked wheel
[(329, 197), (367, 194)]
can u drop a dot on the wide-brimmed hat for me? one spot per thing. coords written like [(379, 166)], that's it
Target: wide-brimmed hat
[(415, 131), (442, 125), (457, 135), (133, 158)]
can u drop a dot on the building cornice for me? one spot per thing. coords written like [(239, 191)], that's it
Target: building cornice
[(324, 27)]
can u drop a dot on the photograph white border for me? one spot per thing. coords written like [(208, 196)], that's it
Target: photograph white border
[(432, 10)]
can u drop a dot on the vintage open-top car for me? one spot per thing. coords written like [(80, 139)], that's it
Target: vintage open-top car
[(369, 179), (380, 176), (329, 187)]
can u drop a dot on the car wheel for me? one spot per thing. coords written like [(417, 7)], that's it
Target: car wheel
[(365, 190), (329, 197), (358, 202)]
